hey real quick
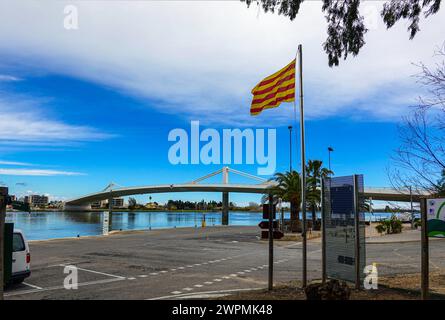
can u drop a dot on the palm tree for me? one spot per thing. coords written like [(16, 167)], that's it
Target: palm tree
[(315, 172), (288, 188)]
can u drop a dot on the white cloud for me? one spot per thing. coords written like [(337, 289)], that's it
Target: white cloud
[(37, 172), (201, 59), (5, 77), (14, 163), (27, 123)]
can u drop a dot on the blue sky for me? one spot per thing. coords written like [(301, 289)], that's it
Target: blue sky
[(81, 108)]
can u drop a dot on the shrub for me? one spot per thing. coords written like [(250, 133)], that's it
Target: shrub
[(390, 226)]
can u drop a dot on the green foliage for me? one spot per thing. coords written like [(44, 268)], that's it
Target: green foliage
[(132, 203), (417, 223), (390, 226), (288, 188), (346, 27), (315, 172)]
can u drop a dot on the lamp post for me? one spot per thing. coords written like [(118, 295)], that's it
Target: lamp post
[(290, 148), (330, 149)]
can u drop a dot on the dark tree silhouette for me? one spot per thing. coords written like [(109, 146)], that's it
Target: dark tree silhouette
[(346, 28)]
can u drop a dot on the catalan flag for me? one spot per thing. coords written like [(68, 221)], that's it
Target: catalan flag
[(271, 91)]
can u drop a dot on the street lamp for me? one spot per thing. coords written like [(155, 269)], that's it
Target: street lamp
[(330, 149), (290, 148)]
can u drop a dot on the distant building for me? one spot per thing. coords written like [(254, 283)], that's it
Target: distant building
[(118, 202), (98, 204), (36, 200)]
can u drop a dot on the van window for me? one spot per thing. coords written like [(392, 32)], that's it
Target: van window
[(17, 242)]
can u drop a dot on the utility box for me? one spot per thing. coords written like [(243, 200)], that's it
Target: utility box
[(7, 249)]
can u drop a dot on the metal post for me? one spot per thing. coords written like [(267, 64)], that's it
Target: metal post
[(357, 232), (110, 210), (3, 195), (290, 148), (280, 201), (412, 208), (323, 233), (225, 209), (424, 252), (303, 169), (271, 216)]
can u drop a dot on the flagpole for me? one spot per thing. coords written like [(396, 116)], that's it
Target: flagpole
[(303, 169)]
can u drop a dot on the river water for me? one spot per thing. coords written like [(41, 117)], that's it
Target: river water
[(51, 225)]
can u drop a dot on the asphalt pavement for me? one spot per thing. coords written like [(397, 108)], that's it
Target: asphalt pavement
[(186, 263)]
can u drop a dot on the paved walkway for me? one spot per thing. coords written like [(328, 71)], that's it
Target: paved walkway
[(405, 236)]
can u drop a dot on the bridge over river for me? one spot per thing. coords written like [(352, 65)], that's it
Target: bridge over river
[(84, 203)]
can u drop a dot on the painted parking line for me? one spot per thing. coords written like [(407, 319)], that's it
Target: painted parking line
[(96, 272), (198, 294), (176, 292), (32, 286), (82, 284)]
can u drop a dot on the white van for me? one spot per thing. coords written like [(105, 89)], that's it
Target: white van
[(21, 257)]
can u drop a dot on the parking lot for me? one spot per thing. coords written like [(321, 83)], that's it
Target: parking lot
[(184, 263)]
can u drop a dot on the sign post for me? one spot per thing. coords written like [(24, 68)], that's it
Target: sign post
[(323, 234), (357, 232), (271, 217), (3, 196), (424, 282), (343, 242)]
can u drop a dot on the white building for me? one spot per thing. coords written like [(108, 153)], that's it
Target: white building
[(36, 200)]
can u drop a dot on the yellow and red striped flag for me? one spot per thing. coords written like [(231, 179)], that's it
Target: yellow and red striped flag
[(276, 88)]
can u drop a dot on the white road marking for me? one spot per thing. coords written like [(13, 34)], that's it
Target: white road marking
[(143, 276), (181, 268), (62, 287), (131, 278), (187, 289), (32, 286), (198, 294), (217, 280), (176, 292), (97, 272), (226, 277), (173, 269), (234, 275), (198, 285), (240, 272), (247, 270), (154, 274), (208, 282), (163, 271)]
